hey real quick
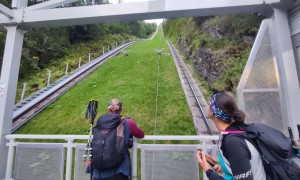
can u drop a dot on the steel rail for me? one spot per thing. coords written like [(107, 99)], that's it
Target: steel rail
[(39, 101), (205, 121)]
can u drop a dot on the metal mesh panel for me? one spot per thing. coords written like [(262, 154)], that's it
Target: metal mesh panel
[(263, 72), (39, 162), (79, 172), (169, 163)]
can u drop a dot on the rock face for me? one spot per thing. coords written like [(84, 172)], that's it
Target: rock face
[(248, 39), (206, 66), (216, 46), (209, 64), (184, 46), (214, 31), (203, 60)]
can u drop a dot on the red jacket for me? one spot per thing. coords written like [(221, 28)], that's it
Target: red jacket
[(134, 129)]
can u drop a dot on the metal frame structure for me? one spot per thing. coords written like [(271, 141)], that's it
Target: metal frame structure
[(21, 18), (287, 70), (285, 67), (46, 15)]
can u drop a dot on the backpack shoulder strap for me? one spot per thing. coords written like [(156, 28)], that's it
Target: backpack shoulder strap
[(120, 129), (244, 135)]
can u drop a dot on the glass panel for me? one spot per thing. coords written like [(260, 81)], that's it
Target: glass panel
[(169, 163), (263, 72), (263, 107), (79, 172), (39, 162)]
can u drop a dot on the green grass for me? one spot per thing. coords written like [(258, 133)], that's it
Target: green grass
[(58, 66), (133, 79)]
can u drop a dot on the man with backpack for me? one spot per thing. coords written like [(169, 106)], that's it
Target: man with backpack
[(111, 140)]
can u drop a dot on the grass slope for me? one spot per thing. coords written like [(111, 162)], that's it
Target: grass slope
[(133, 79)]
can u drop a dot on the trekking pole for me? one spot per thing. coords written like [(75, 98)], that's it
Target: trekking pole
[(91, 113), (298, 126), (295, 143)]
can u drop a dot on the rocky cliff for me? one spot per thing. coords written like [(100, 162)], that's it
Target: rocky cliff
[(217, 47)]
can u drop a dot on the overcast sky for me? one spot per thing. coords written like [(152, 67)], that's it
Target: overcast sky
[(127, 1)]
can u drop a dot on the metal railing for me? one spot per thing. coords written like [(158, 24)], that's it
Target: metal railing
[(69, 146)]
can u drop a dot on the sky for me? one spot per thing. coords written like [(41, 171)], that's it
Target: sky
[(126, 1), (157, 21)]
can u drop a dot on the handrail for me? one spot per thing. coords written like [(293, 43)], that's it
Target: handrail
[(69, 145), (185, 137), (137, 145), (83, 137), (45, 136)]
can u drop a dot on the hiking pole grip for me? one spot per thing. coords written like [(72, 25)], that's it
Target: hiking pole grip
[(91, 111), (295, 142), (94, 111), (291, 133), (298, 126)]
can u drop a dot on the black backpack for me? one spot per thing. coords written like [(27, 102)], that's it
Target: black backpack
[(278, 156), (108, 149)]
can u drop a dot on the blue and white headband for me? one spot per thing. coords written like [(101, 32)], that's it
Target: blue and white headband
[(216, 110)]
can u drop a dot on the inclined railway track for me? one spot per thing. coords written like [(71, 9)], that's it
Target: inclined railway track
[(32, 105), (195, 99)]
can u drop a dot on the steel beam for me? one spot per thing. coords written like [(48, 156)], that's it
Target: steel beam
[(8, 87), (137, 11), (7, 12), (287, 71), (49, 5)]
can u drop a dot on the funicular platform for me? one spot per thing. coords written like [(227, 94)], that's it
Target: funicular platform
[(269, 88)]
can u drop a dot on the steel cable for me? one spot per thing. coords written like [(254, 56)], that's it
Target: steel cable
[(156, 104)]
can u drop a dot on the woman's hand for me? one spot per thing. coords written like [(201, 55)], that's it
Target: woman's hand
[(202, 161), (217, 168), (205, 165)]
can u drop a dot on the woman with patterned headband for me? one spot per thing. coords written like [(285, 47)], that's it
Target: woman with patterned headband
[(238, 158)]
